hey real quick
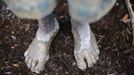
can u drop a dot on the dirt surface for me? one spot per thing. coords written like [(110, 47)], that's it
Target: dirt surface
[(113, 33)]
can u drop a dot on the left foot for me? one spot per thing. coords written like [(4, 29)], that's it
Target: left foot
[(86, 50), (89, 54)]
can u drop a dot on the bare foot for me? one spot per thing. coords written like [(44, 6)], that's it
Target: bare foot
[(86, 50), (87, 55), (37, 55), (38, 52)]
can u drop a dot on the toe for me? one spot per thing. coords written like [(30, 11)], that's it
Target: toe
[(29, 63), (80, 62), (34, 63), (88, 60), (96, 56), (97, 51), (26, 52), (39, 67), (27, 59), (93, 60)]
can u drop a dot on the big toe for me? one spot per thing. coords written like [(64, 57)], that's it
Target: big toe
[(40, 67), (81, 63)]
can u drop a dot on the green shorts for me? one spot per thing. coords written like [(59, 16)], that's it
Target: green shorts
[(80, 10)]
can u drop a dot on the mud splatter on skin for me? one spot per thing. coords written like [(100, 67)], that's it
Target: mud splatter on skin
[(116, 55)]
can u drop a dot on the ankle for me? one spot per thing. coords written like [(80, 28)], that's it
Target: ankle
[(41, 35)]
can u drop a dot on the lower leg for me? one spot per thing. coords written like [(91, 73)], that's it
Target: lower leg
[(131, 13), (38, 52), (47, 27), (85, 45)]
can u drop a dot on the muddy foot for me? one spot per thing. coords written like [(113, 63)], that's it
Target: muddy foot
[(85, 50), (88, 55), (37, 55), (38, 52)]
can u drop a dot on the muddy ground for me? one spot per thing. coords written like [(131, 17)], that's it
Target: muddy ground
[(113, 33)]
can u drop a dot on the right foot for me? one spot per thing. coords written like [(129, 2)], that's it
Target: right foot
[(37, 55), (38, 52)]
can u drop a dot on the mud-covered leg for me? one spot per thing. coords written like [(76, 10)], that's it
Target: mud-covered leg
[(38, 52), (131, 13), (86, 50)]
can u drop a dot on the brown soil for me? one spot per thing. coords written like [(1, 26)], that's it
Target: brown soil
[(113, 36)]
